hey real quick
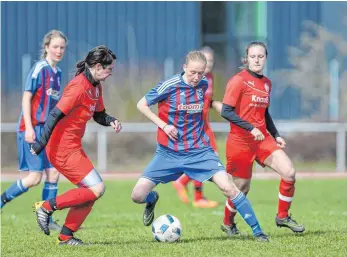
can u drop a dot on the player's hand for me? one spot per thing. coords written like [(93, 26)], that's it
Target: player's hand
[(35, 148), (280, 142), (30, 135), (258, 135), (171, 131), (116, 125)]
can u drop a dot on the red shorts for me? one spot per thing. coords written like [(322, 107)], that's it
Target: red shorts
[(210, 134), (73, 164), (241, 154)]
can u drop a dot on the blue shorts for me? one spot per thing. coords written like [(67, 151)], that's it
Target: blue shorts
[(168, 165), (27, 161)]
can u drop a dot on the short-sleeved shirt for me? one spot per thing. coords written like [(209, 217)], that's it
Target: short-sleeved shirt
[(79, 101), (180, 105), (44, 84), (250, 96)]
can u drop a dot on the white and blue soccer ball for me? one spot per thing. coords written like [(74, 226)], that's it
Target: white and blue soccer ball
[(167, 228)]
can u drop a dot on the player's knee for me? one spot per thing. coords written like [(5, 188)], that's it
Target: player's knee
[(33, 179), (136, 196), (99, 190), (289, 173), (52, 176)]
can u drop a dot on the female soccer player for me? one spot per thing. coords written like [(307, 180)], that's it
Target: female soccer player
[(63, 132), (41, 93), (183, 146), (181, 184), (246, 106)]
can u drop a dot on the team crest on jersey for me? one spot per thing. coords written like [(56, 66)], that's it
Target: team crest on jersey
[(267, 88), (200, 93)]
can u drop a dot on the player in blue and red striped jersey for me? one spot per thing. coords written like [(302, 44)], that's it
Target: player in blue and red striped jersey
[(180, 184), (183, 146), (41, 93)]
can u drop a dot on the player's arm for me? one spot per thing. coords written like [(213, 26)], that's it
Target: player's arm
[(154, 96), (26, 107), (54, 117), (270, 125), (103, 118), (228, 113)]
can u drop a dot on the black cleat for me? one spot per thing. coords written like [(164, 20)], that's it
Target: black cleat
[(230, 230), (148, 214), (261, 237), (288, 222), (42, 217), (72, 241)]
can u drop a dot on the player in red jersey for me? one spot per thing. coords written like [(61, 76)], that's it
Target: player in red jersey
[(181, 184), (63, 131), (253, 136)]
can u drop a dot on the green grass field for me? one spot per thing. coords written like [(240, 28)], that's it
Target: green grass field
[(115, 225)]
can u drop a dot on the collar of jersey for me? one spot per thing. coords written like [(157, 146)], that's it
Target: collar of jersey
[(90, 78), (254, 74)]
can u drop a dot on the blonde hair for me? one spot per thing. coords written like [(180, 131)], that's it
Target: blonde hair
[(47, 40), (244, 59), (196, 56)]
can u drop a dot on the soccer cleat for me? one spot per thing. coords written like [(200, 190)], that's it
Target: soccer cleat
[(230, 230), (288, 222), (72, 241), (261, 237), (42, 217), (204, 203), (148, 214), (181, 191), (54, 226)]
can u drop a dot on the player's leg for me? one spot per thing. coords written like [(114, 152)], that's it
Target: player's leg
[(240, 201), (163, 168), (240, 157), (50, 190), (180, 185), (26, 163), (270, 155), (199, 200), (143, 193)]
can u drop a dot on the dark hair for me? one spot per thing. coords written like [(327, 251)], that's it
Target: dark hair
[(47, 40), (254, 43), (100, 54)]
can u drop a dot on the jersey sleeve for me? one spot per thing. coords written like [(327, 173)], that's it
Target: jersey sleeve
[(100, 103), (34, 80), (233, 91), (72, 97), (157, 94)]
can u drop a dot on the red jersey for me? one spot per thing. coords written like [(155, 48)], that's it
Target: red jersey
[(250, 96), (207, 106), (79, 102)]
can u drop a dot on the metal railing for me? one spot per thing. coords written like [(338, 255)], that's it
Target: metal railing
[(284, 127)]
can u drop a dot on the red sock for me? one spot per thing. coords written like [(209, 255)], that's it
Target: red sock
[(75, 217), (71, 198), (285, 197), (198, 190), (184, 179), (229, 213)]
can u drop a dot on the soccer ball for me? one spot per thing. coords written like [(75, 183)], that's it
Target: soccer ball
[(167, 228)]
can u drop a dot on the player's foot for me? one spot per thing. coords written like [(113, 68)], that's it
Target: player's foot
[(288, 222), (42, 217), (54, 226), (148, 214), (205, 203), (181, 191), (71, 241), (261, 237), (230, 230)]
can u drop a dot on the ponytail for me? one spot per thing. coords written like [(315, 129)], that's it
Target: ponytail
[(81, 66)]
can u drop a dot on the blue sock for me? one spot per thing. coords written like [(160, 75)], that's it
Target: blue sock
[(15, 190), (244, 207), (151, 197), (49, 191)]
